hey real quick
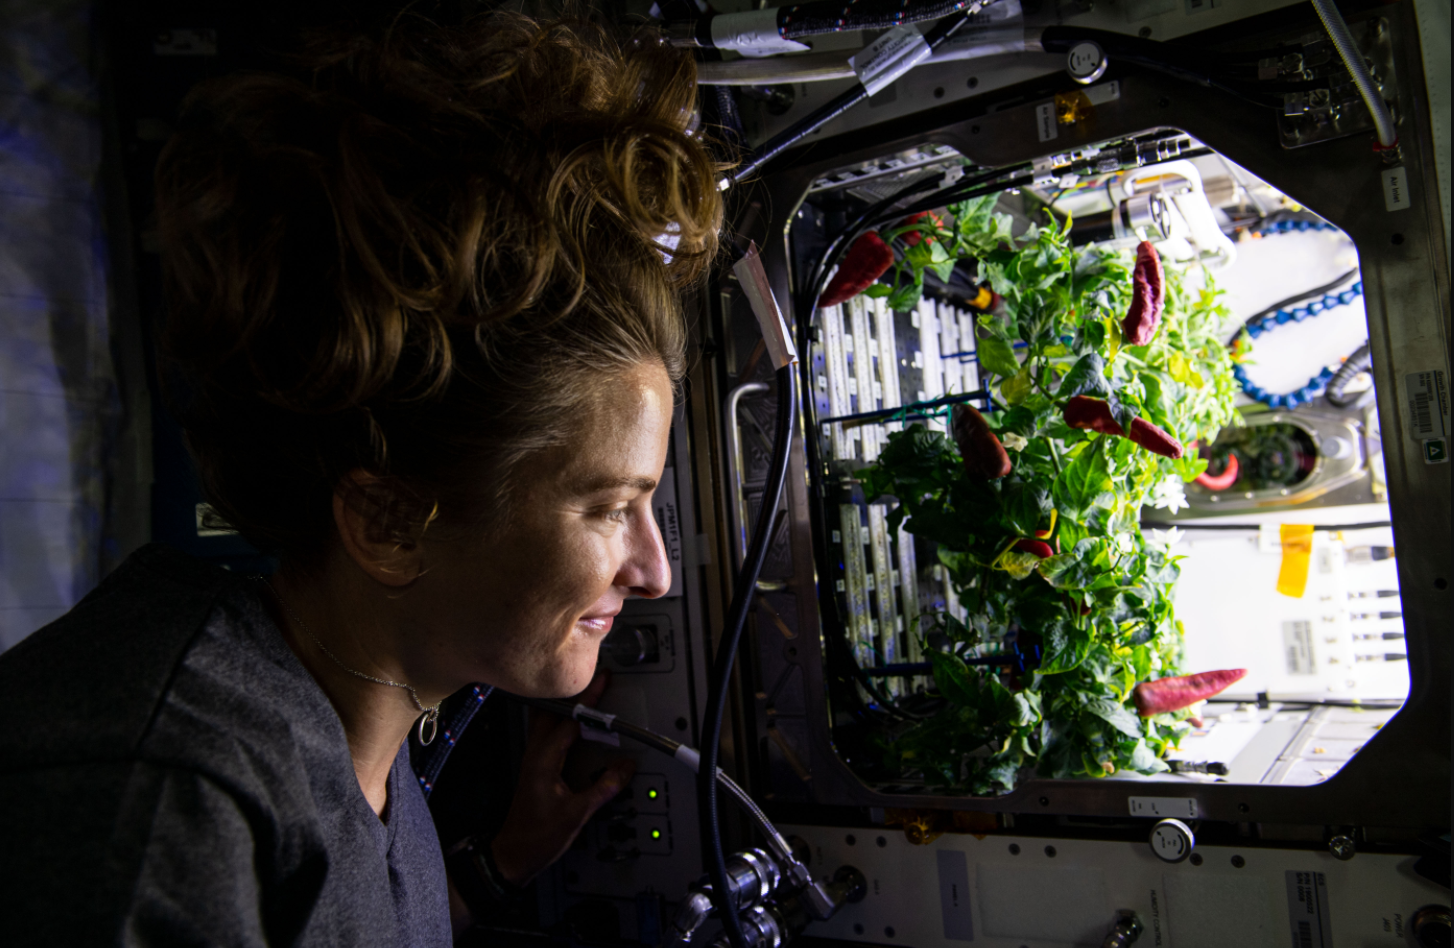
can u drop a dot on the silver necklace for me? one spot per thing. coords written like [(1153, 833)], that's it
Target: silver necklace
[(430, 715)]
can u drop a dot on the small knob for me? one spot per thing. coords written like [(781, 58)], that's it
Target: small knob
[(1172, 840), (1430, 926), (1342, 847)]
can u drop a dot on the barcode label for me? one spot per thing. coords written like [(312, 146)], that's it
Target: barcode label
[(1428, 399), (1297, 643), (1308, 912)]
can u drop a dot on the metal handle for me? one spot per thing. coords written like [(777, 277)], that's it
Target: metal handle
[(734, 466)]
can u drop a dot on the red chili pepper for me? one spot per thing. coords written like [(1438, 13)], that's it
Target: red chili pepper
[(1039, 547), (913, 237), (1148, 297), (1155, 440), (984, 456), (1221, 481), (867, 260), (1182, 691), (1094, 414)]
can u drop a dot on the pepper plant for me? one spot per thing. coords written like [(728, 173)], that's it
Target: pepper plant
[(1099, 607)]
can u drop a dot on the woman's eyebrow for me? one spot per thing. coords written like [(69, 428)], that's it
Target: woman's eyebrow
[(600, 485)]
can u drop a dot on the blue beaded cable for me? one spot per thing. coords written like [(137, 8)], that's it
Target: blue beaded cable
[(1318, 383), (1287, 227)]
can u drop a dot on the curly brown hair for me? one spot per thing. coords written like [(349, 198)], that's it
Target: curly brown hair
[(421, 263)]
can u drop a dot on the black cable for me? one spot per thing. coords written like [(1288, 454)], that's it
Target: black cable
[(821, 116), (721, 680), (675, 750), (833, 16), (1167, 524), (1176, 61), (1299, 297), (1359, 361)]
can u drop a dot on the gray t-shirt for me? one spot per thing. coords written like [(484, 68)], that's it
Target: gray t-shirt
[(170, 774)]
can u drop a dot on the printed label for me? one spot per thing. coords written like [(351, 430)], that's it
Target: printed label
[(1297, 645), (669, 521), (1163, 807), (1396, 189), (954, 895), (889, 57), (1103, 93), (1428, 396), (1045, 121), (1307, 909)]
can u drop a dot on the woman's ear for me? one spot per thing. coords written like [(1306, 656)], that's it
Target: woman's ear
[(380, 525)]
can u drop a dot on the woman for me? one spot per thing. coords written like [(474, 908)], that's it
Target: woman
[(423, 338)]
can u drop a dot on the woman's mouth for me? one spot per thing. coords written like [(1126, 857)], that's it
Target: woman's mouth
[(597, 625)]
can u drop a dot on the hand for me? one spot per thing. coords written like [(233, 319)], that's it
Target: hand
[(546, 815)]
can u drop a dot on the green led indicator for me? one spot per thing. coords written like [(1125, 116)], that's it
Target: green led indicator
[(656, 834), (652, 794)]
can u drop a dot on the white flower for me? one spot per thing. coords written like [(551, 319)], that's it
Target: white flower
[(1013, 442), (1125, 543), (1169, 495), (1167, 538)]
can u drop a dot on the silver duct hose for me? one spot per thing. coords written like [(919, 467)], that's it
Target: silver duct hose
[(1353, 59)]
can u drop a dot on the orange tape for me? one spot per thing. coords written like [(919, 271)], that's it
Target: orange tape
[(1297, 556)]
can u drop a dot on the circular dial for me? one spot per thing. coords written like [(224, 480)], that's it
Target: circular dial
[(1086, 62), (1172, 840)]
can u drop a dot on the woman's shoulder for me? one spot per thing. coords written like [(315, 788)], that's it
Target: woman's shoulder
[(87, 686)]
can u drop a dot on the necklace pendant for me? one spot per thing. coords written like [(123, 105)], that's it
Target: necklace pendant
[(430, 719)]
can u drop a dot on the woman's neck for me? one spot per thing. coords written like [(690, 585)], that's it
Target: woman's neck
[(338, 630)]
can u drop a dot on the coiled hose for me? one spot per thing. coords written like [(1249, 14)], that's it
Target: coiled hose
[(1342, 39), (1359, 361)]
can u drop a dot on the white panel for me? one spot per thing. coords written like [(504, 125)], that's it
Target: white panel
[(883, 583), (909, 593), (860, 621), (949, 348), (888, 357), (864, 351), (968, 343), (933, 371), (835, 366), (1075, 887)]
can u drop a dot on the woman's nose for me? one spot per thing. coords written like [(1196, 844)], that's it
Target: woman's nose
[(646, 571)]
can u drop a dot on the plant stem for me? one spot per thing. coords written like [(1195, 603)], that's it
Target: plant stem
[(1054, 454)]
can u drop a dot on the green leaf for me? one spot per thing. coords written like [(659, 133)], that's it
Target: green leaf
[(1094, 334), (1019, 565), (1116, 715), (1017, 388), (1068, 571), (1144, 760), (878, 290), (1083, 481), (905, 298), (1025, 507), (954, 679), (1064, 648), (998, 356), (1086, 377)]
